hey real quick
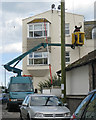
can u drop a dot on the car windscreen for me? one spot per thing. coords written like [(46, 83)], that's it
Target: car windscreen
[(45, 101), (21, 87), (82, 106), (90, 112)]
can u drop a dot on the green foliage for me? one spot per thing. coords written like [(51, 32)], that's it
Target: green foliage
[(56, 81)]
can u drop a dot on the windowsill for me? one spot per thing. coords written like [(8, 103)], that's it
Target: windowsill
[(37, 65), (37, 37), (67, 35)]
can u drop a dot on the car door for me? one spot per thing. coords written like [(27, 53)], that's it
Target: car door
[(25, 106)]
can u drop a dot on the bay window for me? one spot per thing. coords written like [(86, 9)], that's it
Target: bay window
[(36, 30), (38, 58)]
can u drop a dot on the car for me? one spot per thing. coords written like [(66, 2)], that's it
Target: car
[(44, 107), (87, 109)]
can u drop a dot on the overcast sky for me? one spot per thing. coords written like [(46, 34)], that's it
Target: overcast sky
[(13, 11)]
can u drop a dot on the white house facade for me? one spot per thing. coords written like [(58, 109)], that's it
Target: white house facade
[(47, 25)]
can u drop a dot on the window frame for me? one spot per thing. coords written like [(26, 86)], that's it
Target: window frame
[(43, 58), (67, 57), (38, 30), (67, 28)]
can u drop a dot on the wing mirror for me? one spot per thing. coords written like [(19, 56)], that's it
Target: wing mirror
[(59, 104), (65, 104), (25, 104)]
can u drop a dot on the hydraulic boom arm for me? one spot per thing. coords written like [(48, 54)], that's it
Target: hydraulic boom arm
[(19, 58)]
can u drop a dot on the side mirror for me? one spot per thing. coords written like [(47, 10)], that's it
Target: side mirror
[(65, 104), (25, 104), (59, 104)]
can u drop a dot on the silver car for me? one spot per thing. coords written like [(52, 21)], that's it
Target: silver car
[(44, 107)]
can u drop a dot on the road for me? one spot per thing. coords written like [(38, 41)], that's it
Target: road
[(5, 115)]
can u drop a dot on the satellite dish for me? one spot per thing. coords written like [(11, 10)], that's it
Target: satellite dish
[(53, 6)]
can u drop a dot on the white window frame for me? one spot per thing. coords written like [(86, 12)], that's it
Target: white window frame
[(43, 30), (67, 62), (42, 57), (67, 28)]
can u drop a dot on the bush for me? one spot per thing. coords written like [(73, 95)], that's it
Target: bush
[(56, 81)]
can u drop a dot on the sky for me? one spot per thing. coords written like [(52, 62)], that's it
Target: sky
[(11, 14)]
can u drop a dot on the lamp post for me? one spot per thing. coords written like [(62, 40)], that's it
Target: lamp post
[(63, 72)]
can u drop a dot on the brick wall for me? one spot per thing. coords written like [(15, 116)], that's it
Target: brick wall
[(33, 42), (88, 26)]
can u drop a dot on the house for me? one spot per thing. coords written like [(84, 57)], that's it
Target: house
[(48, 25), (81, 74), (80, 79)]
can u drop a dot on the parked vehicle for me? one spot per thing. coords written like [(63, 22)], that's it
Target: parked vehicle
[(19, 88), (87, 109), (43, 107)]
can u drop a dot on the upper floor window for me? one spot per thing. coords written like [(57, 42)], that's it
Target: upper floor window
[(38, 58), (94, 33), (36, 30), (67, 57), (67, 30)]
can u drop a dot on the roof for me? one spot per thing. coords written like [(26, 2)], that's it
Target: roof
[(50, 11), (49, 95), (89, 58), (90, 22), (38, 20)]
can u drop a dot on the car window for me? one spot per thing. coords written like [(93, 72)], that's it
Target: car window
[(38, 100), (25, 100), (53, 101), (81, 107), (44, 100), (90, 112)]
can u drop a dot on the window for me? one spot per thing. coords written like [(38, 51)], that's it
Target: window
[(22, 87), (82, 106), (38, 58), (94, 33), (67, 31), (67, 57), (45, 101), (90, 112), (36, 30)]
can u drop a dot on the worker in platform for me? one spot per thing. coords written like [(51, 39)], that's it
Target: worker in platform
[(77, 29)]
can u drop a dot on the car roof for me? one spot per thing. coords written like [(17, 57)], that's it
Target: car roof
[(47, 95), (92, 91)]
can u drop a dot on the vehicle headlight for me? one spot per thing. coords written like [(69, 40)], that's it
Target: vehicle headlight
[(39, 115), (67, 114), (13, 100)]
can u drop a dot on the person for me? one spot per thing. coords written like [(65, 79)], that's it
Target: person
[(77, 29)]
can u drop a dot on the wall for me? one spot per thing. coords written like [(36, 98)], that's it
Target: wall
[(77, 81), (89, 25), (53, 91)]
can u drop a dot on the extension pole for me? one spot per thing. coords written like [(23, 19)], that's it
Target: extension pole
[(63, 72)]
